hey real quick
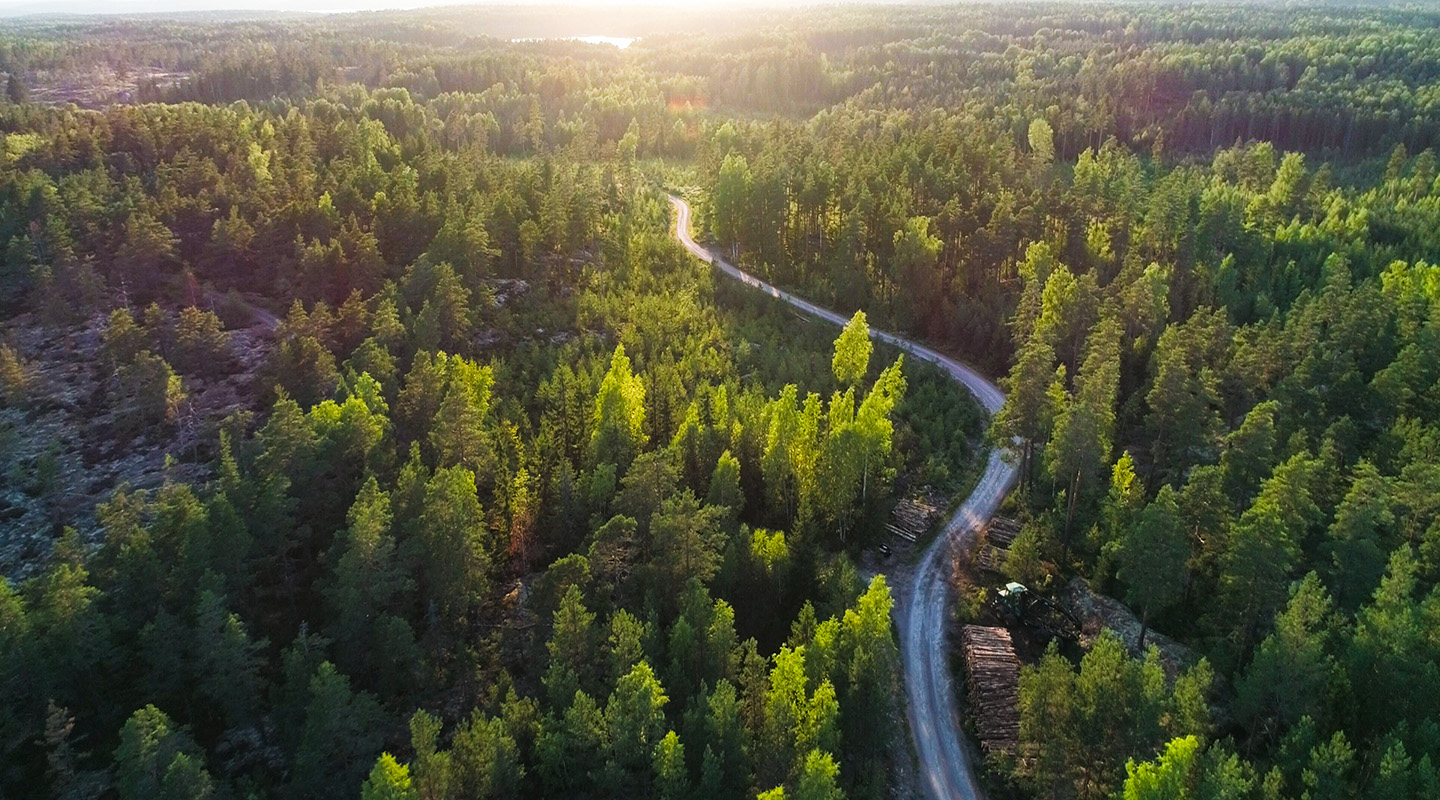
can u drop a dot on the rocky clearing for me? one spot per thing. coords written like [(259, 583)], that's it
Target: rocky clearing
[(61, 452)]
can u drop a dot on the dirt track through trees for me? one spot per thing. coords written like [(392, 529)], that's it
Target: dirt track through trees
[(945, 766)]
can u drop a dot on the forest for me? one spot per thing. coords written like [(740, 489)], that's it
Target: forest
[(365, 432)]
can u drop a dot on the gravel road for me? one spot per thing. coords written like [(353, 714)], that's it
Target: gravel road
[(945, 767)]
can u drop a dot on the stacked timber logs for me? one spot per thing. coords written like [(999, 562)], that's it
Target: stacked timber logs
[(990, 559), (912, 517), (1001, 532), (995, 543), (993, 678)]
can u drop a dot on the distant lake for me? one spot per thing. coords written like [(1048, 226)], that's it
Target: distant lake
[(617, 41)]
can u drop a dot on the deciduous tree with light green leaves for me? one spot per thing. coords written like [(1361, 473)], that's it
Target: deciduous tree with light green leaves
[(1042, 141), (389, 780), (1171, 777), (875, 424), (818, 778), (852, 351)]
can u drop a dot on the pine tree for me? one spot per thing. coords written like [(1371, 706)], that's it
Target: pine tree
[(1360, 536), (228, 661), (730, 203), (367, 580), (147, 251), (1023, 423), (571, 648), (687, 540), (458, 434), (146, 759), (1080, 445), (634, 720), (1182, 401), (15, 90), (1153, 557), (672, 782), (431, 769), (484, 760), (455, 557), (1293, 667), (1248, 455), (916, 254), (342, 733), (570, 751), (619, 420)]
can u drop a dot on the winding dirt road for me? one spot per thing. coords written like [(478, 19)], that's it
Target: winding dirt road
[(945, 765)]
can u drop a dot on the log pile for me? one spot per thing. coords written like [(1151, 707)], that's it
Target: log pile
[(990, 559), (1001, 532), (993, 679), (911, 518), (995, 543)]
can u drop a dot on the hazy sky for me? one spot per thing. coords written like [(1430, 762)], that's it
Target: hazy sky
[(19, 7), (12, 7)]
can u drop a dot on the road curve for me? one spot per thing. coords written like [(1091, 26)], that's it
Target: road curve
[(945, 765)]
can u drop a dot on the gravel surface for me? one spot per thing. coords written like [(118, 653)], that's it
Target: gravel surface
[(921, 602)]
